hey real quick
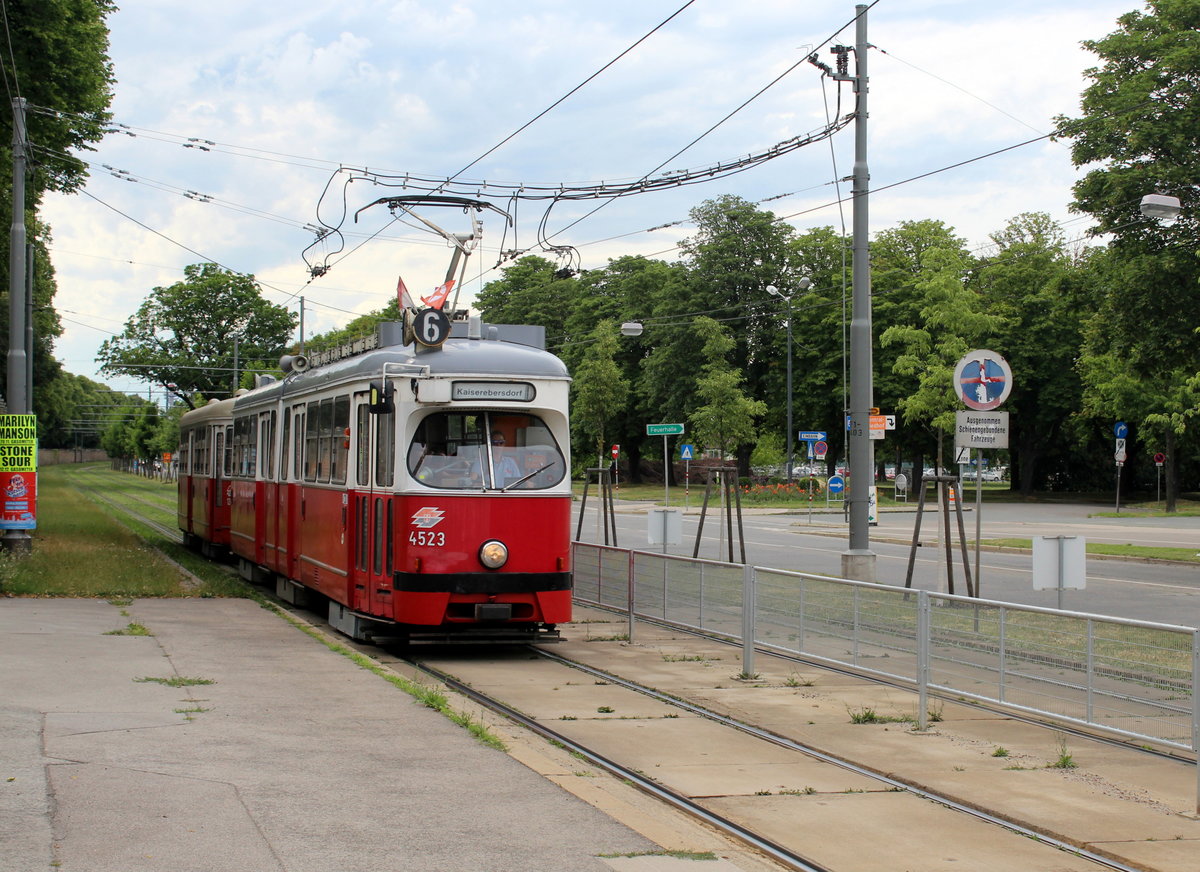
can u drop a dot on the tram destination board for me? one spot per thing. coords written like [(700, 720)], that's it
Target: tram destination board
[(664, 429)]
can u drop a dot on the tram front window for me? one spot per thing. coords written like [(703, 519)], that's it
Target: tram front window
[(485, 450)]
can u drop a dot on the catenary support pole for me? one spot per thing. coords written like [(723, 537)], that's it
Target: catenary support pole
[(17, 400), (859, 561)]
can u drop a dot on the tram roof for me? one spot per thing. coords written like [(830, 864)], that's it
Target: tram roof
[(458, 356)]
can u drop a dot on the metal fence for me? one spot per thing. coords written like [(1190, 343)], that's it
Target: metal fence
[(1133, 679)]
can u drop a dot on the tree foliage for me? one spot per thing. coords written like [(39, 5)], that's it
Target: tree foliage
[(182, 336), (1139, 131), (725, 417), (600, 391)]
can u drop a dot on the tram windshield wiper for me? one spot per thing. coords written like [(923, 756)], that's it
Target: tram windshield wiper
[(525, 478)]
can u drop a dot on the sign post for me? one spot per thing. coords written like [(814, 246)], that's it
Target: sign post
[(1121, 432), (665, 430), (983, 380)]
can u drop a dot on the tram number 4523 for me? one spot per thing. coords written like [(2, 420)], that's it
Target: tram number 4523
[(426, 538)]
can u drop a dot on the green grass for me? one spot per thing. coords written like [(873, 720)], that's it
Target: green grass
[(175, 681), (81, 550), (1186, 555)]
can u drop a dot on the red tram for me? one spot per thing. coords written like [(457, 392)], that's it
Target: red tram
[(422, 490)]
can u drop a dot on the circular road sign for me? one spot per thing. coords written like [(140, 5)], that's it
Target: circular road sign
[(983, 380), (1121, 430), (836, 484), (1160, 458), (820, 449)]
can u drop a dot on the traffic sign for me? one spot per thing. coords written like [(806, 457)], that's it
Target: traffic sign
[(686, 451), (1159, 459), (820, 449), (983, 380), (664, 429), (836, 484), (812, 435), (1121, 430), (980, 429), (1120, 452), (616, 451)]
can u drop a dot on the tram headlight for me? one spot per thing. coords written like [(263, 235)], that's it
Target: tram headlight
[(493, 553)]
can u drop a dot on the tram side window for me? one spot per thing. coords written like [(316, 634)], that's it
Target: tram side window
[(298, 436), (284, 441), (339, 433), (385, 449), (225, 450), (268, 441), (201, 465), (245, 446), (363, 446), (312, 466)]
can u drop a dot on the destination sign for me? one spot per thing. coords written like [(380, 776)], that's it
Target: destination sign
[(518, 392)]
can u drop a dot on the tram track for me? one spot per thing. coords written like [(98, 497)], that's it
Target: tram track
[(463, 676), (673, 798)]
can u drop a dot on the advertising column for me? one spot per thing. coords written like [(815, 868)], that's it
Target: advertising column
[(18, 472)]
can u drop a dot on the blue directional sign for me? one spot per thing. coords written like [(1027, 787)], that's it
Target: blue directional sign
[(812, 435), (836, 484), (1121, 430), (686, 451)]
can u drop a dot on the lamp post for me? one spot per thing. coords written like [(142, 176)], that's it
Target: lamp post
[(803, 285)]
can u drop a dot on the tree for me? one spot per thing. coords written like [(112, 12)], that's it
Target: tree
[(57, 58), (737, 252), (182, 336), (625, 290), (1034, 285), (899, 270), (952, 322), (600, 390), (1139, 126), (530, 291), (726, 417)]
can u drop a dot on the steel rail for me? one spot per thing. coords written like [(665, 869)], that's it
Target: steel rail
[(792, 745), (675, 800)]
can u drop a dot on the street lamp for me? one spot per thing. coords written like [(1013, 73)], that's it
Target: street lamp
[(802, 285), (1161, 207)]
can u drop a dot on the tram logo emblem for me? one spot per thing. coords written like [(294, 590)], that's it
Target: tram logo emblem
[(427, 516)]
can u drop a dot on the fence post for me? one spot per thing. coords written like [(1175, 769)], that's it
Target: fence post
[(1003, 652), (1196, 710), (748, 606), (1091, 671), (630, 587), (923, 659), (800, 625)]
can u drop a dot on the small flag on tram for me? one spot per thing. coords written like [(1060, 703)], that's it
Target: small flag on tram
[(438, 298), (406, 302)]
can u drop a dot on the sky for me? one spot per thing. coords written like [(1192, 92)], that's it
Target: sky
[(235, 118)]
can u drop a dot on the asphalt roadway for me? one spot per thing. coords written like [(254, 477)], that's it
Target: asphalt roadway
[(813, 541)]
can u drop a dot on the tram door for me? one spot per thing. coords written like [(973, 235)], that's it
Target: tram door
[(374, 521)]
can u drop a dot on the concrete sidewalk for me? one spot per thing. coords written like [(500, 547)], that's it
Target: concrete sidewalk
[(292, 758)]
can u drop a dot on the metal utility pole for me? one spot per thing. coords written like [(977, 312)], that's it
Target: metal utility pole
[(859, 561), (17, 540), (29, 325), (18, 400)]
